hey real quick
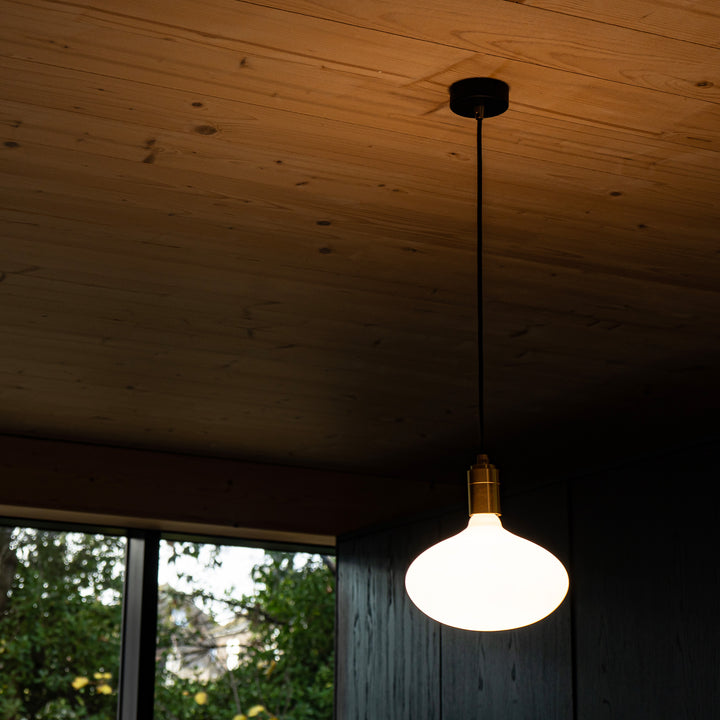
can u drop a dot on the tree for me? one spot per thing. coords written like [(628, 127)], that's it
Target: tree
[(59, 624), (293, 618), (286, 666)]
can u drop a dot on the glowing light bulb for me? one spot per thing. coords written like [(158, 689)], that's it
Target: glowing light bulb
[(486, 578)]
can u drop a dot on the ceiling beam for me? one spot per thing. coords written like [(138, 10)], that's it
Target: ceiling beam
[(54, 480)]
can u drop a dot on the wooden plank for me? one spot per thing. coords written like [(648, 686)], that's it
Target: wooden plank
[(387, 651), (99, 298), (392, 98), (122, 394), (161, 488), (177, 277), (93, 307), (533, 286), (695, 185), (646, 587), (215, 34), (337, 62), (697, 189), (109, 128), (617, 246), (570, 42), (33, 515), (590, 198), (695, 21), (119, 365)]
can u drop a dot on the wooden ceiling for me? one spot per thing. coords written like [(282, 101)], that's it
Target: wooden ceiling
[(246, 229)]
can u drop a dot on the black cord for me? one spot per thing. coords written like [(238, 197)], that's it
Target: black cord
[(480, 323)]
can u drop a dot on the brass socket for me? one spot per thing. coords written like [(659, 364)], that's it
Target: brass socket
[(483, 487)]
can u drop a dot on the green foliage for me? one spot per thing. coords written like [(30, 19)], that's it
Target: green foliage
[(287, 665), (60, 635), (61, 621), (293, 617)]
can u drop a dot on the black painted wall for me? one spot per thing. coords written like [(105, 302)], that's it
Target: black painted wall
[(638, 636)]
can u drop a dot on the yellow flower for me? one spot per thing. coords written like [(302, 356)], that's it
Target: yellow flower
[(102, 675), (201, 698), (255, 710), (240, 717), (80, 682), (104, 689)]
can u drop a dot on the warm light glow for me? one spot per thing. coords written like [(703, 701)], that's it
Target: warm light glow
[(486, 578)]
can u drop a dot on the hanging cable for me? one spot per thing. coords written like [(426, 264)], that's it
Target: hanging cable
[(482, 445), (479, 98)]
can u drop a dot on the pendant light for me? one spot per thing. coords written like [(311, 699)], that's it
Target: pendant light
[(484, 578)]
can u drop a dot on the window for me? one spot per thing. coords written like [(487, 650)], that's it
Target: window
[(244, 632), (209, 629), (60, 621)]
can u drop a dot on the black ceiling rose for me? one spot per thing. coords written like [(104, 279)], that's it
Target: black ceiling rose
[(470, 94)]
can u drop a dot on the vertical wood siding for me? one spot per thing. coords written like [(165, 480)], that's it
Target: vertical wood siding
[(388, 652), (648, 590)]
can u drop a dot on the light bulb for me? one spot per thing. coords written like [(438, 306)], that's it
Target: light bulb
[(486, 578)]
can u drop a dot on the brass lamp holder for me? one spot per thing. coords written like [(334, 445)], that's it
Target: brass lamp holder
[(483, 487), (480, 98)]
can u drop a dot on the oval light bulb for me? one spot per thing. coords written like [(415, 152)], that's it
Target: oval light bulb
[(486, 578)]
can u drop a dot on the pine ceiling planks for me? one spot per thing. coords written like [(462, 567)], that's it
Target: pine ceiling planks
[(694, 21), (246, 229), (572, 42)]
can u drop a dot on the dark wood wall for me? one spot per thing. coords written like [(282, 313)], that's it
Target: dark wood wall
[(646, 580), (637, 637)]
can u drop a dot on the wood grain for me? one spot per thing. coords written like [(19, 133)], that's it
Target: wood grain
[(646, 588), (248, 231), (523, 674), (694, 21), (395, 89), (388, 652), (571, 42), (185, 493)]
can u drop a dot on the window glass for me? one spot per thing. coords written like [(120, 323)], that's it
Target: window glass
[(60, 620), (244, 633)]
